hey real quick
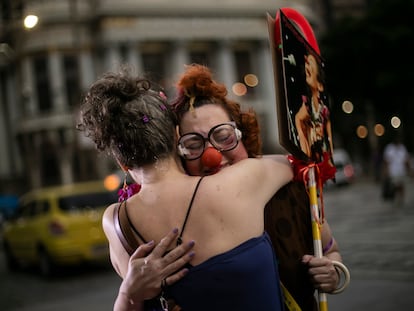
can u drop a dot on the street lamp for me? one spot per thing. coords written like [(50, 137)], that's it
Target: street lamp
[(30, 21)]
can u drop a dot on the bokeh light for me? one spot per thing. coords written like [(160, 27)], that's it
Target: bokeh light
[(112, 182), (251, 80), (395, 122), (362, 131), (347, 107), (379, 129), (239, 89)]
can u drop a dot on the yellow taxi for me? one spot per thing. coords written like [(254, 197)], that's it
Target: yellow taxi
[(58, 226)]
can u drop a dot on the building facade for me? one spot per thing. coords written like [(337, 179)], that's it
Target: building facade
[(44, 70)]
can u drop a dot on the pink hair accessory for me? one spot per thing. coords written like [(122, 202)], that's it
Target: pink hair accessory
[(162, 95)]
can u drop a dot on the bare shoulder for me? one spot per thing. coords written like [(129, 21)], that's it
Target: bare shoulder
[(108, 221), (119, 256), (109, 213)]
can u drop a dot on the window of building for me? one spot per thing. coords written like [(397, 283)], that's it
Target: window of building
[(200, 57), (200, 52), (49, 161), (11, 10), (154, 66), (72, 78), (41, 70)]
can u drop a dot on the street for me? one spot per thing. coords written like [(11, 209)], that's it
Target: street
[(376, 241), (375, 238)]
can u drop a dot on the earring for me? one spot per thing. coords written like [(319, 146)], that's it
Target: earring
[(127, 191)]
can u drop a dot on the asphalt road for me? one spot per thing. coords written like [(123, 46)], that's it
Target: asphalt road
[(377, 245), (375, 237)]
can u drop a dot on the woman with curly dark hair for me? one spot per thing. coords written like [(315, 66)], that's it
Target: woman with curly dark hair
[(233, 266)]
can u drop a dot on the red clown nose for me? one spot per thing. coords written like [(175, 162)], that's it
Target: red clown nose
[(211, 157)]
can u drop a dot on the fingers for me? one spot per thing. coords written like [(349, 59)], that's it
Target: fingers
[(143, 250), (306, 259), (176, 276), (165, 244), (314, 262), (322, 273), (160, 264), (178, 257)]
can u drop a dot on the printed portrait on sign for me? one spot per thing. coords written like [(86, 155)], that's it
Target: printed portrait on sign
[(302, 102)]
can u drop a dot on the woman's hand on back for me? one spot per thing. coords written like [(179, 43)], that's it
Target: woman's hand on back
[(151, 267)]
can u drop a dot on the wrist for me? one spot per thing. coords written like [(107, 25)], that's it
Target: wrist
[(132, 297), (124, 302), (127, 298)]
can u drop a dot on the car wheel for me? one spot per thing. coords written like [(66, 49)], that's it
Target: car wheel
[(46, 265), (11, 261)]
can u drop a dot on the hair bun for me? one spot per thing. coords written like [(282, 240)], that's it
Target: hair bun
[(197, 81)]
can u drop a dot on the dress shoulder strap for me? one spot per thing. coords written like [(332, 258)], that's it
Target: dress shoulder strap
[(179, 239), (123, 229)]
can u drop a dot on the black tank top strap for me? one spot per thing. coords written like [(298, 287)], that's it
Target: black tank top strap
[(132, 226), (179, 239)]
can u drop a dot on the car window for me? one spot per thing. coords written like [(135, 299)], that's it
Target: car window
[(32, 206), (43, 207), (87, 201), (26, 210)]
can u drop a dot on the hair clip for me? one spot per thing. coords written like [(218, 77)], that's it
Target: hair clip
[(145, 118), (162, 95), (191, 108), (163, 107)]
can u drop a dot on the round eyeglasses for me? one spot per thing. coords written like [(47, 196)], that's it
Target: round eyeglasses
[(223, 137)]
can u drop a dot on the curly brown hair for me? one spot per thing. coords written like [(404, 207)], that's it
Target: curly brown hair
[(197, 84), (129, 118)]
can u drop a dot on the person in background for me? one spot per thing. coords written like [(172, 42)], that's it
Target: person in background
[(204, 111), (233, 259), (397, 168)]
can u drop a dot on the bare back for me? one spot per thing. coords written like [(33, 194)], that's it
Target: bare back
[(227, 209)]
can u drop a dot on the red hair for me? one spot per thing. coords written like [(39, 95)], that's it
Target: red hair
[(197, 85)]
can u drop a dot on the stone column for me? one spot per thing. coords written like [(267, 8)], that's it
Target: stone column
[(267, 101), (177, 59), (29, 93), (86, 68), (57, 82), (134, 59), (112, 58), (65, 155), (225, 65)]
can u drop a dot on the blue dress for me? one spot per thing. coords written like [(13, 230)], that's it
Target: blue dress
[(244, 278)]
